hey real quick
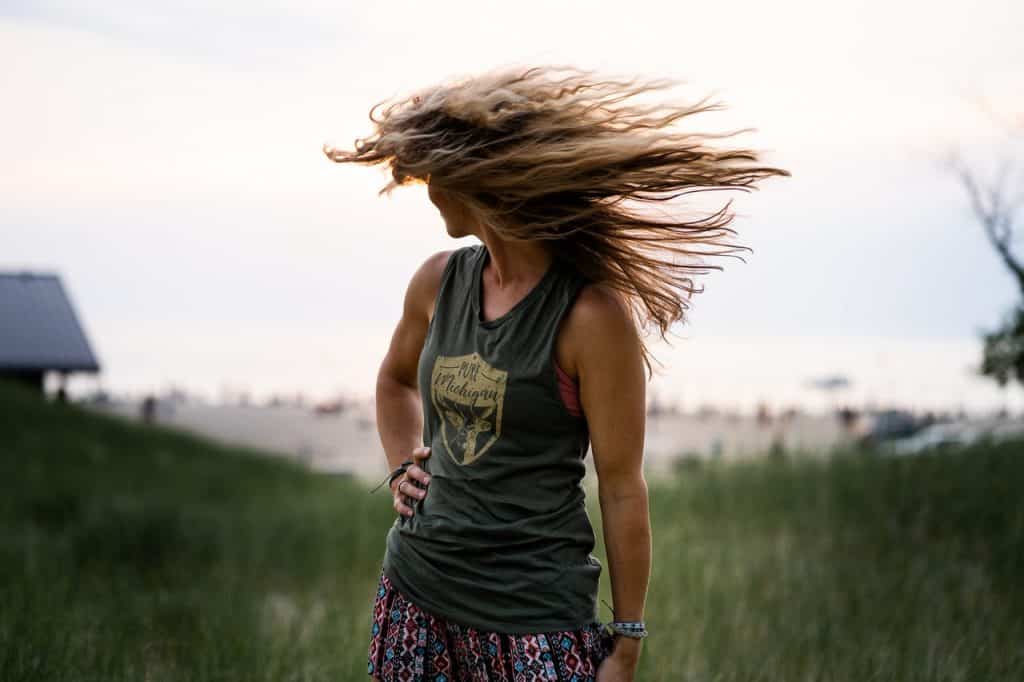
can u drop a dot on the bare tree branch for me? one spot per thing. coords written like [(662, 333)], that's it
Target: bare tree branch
[(993, 212)]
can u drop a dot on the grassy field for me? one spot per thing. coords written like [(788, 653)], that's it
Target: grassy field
[(139, 553)]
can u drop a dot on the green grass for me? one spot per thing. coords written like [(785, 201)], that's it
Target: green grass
[(141, 553)]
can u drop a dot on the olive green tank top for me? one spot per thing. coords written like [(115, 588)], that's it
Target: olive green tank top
[(502, 541)]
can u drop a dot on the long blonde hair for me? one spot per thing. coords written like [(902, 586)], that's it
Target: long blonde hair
[(553, 153)]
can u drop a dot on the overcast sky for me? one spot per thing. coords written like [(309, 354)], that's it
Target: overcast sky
[(165, 159)]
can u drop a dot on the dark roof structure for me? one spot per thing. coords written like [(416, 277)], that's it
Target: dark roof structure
[(38, 326)]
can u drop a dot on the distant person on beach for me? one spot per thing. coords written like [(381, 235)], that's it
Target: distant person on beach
[(515, 352)]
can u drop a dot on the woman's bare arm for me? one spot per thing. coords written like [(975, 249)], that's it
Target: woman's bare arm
[(398, 404), (612, 394)]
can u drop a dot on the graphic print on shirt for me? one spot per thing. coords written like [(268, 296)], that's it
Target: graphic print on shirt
[(469, 395)]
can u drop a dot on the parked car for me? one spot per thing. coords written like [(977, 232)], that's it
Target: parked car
[(941, 436), (879, 427)]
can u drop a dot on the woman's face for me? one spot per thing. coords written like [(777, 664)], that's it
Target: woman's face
[(454, 213)]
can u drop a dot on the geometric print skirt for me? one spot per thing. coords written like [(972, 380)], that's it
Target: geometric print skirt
[(408, 644)]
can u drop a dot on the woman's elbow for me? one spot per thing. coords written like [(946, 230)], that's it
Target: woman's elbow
[(621, 488)]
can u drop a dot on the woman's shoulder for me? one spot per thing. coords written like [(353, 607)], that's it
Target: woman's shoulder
[(436, 263), (598, 311), (426, 282), (599, 307)]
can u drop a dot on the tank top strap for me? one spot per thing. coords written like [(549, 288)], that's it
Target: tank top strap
[(543, 321), (452, 294)]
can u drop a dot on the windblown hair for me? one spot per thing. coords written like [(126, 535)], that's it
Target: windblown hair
[(554, 153)]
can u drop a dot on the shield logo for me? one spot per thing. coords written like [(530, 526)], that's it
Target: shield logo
[(469, 395)]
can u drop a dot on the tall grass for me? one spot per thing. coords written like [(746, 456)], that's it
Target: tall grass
[(847, 568), (140, 553)]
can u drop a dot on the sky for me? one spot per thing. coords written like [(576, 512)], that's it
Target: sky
[(165, 159)]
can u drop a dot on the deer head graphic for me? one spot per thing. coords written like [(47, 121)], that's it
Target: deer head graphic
[(477, 425)]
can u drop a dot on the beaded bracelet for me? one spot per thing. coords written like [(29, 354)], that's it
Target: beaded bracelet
[(635, 629), (399, 470)]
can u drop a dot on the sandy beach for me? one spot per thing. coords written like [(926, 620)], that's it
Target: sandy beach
[(348, 443)]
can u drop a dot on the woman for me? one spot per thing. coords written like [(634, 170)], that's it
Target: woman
[(514, 354)]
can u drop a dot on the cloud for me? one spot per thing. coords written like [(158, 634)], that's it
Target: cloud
[(240, 34)]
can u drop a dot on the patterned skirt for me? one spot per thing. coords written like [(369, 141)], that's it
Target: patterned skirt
[(412, 645)]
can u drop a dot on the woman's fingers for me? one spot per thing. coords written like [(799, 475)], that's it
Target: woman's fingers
[(413, 489), (416, 472), (399, 498), (401, 508), (415, 483), (419, 475)]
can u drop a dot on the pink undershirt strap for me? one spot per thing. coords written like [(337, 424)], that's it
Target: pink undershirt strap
[(570, 391)]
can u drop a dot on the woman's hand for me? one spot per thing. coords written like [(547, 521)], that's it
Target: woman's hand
[(412, 485), (620, 665)]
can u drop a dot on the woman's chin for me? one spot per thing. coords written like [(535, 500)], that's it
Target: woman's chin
[(453, 231)]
